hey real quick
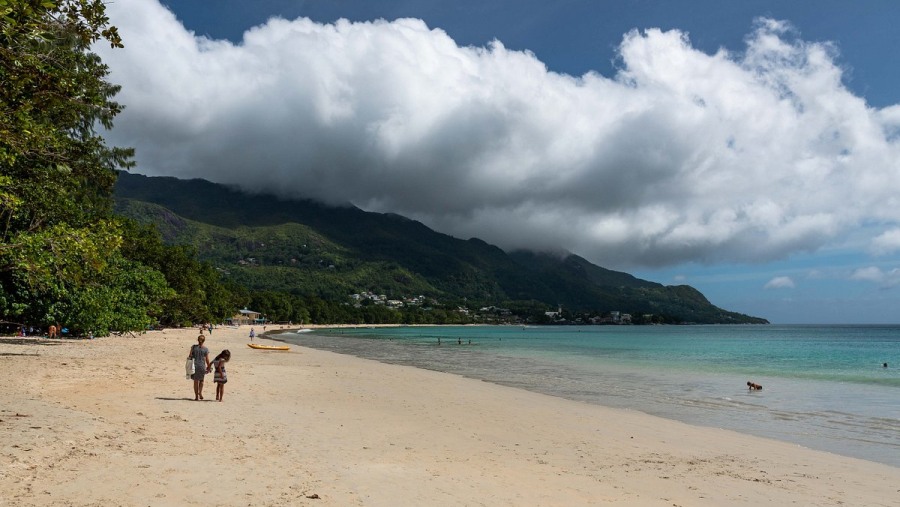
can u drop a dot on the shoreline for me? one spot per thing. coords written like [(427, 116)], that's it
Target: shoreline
[(351, 431), (814, 413)]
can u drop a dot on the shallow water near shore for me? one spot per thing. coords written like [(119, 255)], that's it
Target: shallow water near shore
[(824, 387)]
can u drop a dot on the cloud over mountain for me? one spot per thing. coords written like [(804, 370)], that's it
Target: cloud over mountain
[(681, 156)]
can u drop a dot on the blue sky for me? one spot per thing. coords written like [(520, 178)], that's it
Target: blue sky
[(747, 148)]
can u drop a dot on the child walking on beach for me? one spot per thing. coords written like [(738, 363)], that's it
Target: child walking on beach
[(219, 376)]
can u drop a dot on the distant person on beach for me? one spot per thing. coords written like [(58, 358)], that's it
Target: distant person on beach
[(51, 333), (252, 334), (200, 355), (219, 376), (753, 387)]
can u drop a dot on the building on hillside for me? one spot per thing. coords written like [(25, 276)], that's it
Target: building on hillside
[(554, 315)]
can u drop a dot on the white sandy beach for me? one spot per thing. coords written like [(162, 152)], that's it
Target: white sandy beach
[(112, 421)]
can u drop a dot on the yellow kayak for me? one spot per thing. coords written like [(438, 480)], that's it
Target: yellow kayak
[(268, 347)]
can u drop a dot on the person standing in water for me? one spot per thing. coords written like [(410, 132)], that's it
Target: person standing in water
[(200, 355)]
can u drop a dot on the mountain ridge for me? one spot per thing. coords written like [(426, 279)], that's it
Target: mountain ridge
[(334, 251)]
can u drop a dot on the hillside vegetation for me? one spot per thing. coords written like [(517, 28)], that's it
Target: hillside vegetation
[(311, 250)]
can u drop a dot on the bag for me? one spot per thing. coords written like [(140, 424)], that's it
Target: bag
[(189, 368)]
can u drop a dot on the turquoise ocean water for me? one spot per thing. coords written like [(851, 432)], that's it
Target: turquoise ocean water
[(824, 387)]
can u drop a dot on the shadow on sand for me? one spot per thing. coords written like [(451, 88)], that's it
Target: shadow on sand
[(17, 340), (178, 399)]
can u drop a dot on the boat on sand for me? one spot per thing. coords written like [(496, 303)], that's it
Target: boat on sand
[(259, 346)]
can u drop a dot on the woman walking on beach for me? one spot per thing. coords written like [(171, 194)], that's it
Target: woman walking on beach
[(219, 376), (200, 355)]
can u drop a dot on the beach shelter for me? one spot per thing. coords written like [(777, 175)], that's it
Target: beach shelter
[(245, 316)]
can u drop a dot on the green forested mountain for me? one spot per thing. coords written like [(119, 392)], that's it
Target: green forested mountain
[(310, 249)]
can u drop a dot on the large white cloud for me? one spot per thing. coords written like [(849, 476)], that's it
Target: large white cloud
[(682, 156)]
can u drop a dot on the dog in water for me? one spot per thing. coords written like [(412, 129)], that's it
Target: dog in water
[(753, 387)]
